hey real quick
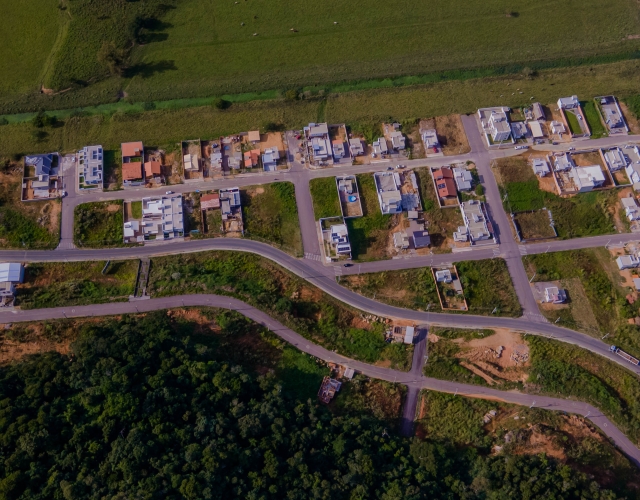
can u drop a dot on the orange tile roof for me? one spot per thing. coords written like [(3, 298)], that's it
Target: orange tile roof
[(130, 149), (251, 158), (446, 187), (152, 168), (132, 171), (210, 201)]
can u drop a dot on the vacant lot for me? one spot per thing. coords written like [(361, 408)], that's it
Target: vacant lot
[(99, 224), (534, 225), (592, 115), (76, 283), (33, 225), (486, 283), (586, 214), (325, 197), (270, 213), (591, 274), (291, 300), (369, 234)]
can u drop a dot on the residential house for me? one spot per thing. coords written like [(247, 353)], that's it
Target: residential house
[(538, 111), (476, 221), (615, 159), (555, 295), (401, 240), (540, 167), (356, 147), (209, 201), (563, 162), (444, 276), (631, 209), (162, 217), (627, 262), (398, 140), (380, 146), (338, 149), (536, 129), (587, 178), (270, 159), (131, 232), (463, 178), (191, 163), (234, 160), (445, 183), (633, 169), (499, 126), (568, 102), (558, 128), (340, 239), (519, 130), (251, 158), (132, 174), (231, 210), (421, 239), (430, 140), (152, 170), (388, 188), (90, 165), (45, 167), (317, 135), (612, 114), (328, 389), (132, 151), (216, 160), (10, 274)]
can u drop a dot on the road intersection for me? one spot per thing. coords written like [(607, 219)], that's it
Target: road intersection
[(323, 276)]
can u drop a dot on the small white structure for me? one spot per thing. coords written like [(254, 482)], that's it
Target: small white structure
[(401, 240), (627, 262), (270, 159), (519, 130), (555, 295), (131, 229), (587, 178), (463, 178), (540, 167), (380, 146), (568, 102), (90, 165), (536, 129), (340, 239), (563, 162), (631, 209), (615, 159), (499, 126), (475, 220), (430, 139), (409, 334), (444, 276), (388, 188), (633, 167), (11, 271), (356, 147), (190, 162), (398, 140), (338, 149), (558, 128)]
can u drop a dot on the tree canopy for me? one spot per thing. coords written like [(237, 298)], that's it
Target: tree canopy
[(138, 410)]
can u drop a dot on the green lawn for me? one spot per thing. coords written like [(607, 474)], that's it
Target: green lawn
[(325, 197), (592, 114), (368, 234), (76, 283), (270, 213), (574, 124), (99, 224)]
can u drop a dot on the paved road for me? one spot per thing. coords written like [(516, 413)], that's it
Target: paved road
[(413, 379)]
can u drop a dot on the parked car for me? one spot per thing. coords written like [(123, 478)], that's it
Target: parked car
[(522, 147), (389, 168), (169, 192), (572, 149), (347, 265)]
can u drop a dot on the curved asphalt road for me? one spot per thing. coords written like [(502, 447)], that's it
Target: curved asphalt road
[(413, 379)]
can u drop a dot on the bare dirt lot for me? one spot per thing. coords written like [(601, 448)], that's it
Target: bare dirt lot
[(451, 135)]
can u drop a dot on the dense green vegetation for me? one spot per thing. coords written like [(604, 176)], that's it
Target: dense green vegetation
[(76, 283), (98, 224), (148, 407), (486, 283), (20, 231), (586, 214), (368, 234), (270, 213), (325, 197), (597, 272), (574, 124), (592, 114), (270, 288)]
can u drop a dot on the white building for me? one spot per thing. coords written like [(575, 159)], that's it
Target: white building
[(388, 188), (463, 178), (536, 129), (430, 139), (11, 271), (563, 162), (340, 239), (443, 276), (499, 126), (568, 102), (540, 167), (270, 159), (615, 159), (317, 135), (631, 209), (475, 220), (380, 146), (91, 164), (627, 262), (190, 162), (338, 149), (162, 217), (633, 167), (587, 178), (398, 140), (555, 295), (356, 147), (519, 130), (558, 128)]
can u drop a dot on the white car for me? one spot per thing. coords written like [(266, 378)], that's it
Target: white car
[(522, 147), (169, 192), (572, 149)]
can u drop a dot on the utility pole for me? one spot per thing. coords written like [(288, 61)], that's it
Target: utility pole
[(534, 275)]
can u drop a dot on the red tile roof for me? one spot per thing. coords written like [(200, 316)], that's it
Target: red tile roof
[(152, 168), (132, 149), (209, 201), (132, 171)]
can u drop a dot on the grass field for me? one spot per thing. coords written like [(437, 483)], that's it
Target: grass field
[(76, 283), (592, 115), (487, 286), (98, 224), (325, 197), (303, 308), (598, 274), (534, 225), (586, 214), (574, 124), (182, 53), (270, 213)]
